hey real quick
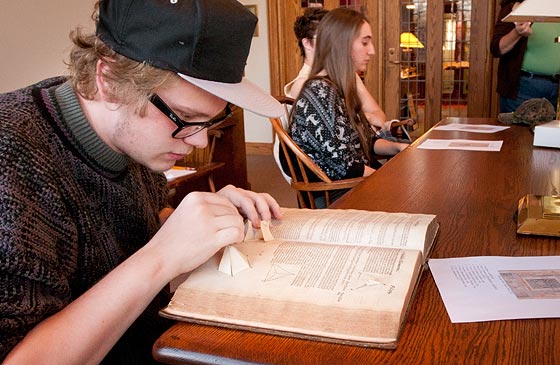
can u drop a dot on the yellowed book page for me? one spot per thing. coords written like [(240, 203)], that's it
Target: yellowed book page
[(356, 227), (343, 292)]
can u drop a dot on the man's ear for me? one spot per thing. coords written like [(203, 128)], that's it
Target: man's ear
[(101, 82)]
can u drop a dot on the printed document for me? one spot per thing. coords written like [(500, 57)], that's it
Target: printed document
[(461, 144), (489, 288), (176, 172), (475, 128)]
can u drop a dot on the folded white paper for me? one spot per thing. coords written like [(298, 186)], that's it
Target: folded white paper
[(234, 261)]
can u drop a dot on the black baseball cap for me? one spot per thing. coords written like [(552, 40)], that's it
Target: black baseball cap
[(206, 42)]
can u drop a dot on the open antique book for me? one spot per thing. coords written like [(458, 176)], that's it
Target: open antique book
[(332, 275)]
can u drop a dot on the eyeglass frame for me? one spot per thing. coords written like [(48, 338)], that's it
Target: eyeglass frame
[(156, 100)]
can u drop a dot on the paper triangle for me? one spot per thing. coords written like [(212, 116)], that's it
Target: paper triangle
[(265, 230), (251, 233), (233, 261)]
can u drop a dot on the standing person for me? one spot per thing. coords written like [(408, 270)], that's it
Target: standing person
[(305, 30), (83, 251), (327, 121), (529, 65)]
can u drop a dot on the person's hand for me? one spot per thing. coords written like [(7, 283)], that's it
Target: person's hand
[(164, 214), (523, 28), (402, 146), (368, 170), (254, 206), (374, 120), (202, 224), (409, 122)]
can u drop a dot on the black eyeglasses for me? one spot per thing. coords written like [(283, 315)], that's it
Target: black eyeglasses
[(186, 129)]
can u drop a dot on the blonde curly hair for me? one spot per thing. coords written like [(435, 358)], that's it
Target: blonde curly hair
[(129, 82)]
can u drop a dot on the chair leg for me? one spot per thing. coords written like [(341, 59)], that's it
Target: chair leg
[(311, 200), (211, 183)]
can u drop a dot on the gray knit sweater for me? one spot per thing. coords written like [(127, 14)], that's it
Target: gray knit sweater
[(71, 210)]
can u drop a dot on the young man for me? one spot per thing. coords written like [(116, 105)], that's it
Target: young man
[(83, 252)]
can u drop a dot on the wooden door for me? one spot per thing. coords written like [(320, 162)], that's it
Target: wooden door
[(451, 75), (437, 63), (284, 53)]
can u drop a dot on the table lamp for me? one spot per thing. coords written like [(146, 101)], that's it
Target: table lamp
[(540, 11), (409, 40)]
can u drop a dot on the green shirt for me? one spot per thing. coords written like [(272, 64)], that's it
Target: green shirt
[(543, 54)]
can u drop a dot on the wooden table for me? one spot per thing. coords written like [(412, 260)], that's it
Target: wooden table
[(474, 195)]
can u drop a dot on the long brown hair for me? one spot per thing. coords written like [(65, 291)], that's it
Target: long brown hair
[(333, 54)]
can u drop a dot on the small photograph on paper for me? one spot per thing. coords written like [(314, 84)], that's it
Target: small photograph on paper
[(533, 284)]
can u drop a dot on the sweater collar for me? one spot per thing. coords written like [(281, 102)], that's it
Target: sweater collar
[(87, 139)]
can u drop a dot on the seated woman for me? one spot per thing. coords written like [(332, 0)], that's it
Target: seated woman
[(327, 121), (305, 30)]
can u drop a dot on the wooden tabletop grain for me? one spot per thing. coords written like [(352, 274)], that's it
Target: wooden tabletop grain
[(474, 195)]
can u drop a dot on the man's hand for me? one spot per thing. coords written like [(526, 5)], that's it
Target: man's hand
[(201, 225), (253, 206), (523, 28)]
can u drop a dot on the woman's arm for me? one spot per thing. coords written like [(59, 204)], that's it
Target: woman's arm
[(388, 148), (371, 109)]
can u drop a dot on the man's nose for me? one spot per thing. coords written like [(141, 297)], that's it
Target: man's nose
[(198, 140)]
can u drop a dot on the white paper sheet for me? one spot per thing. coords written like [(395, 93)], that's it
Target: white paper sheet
[(474, 128), (461, 144), (177, 172), (489, 288)]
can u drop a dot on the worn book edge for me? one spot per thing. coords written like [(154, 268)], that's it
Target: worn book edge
[(389, 344), (386, 342)]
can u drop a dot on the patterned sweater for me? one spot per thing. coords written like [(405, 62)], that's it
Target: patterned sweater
[(71, 210), (320, 126)]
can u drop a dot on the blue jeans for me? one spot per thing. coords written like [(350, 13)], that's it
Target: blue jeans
[(529, 88)]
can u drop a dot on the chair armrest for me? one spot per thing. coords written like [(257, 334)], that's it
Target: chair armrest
[(322, 186)]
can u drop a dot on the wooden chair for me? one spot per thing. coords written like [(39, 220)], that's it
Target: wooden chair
[(307, 178), (201, 160)]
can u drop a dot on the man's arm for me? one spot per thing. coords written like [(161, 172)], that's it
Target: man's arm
[(508, 41), (85, 330)]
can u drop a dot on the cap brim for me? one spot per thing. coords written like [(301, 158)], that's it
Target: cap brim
[(244, 94), (506, 118)]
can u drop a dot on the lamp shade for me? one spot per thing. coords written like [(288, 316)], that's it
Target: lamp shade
[(409, 40), (535, 11)]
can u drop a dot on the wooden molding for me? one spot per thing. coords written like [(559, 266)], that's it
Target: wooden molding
[(284, 52), (254, 148)]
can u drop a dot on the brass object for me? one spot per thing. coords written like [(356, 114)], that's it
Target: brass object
[(539, 215)]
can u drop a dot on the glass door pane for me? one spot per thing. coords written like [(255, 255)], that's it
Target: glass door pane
[(455, 57), (413, 39), (454, 74)]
